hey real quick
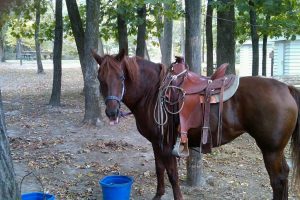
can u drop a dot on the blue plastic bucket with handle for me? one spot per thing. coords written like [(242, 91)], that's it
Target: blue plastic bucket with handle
[(37, 196), (116, 187)]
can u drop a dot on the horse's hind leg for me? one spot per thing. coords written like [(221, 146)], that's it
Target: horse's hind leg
[(278, 171)]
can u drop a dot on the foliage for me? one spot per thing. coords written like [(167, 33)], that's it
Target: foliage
[(127, 9), (22, 21), (284, 18)]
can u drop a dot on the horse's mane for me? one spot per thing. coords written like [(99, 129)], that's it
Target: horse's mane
[(131, 68)]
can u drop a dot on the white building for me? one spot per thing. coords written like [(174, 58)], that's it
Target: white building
[(286, 57)]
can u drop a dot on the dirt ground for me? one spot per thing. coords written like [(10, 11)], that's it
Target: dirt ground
[(70, 158)]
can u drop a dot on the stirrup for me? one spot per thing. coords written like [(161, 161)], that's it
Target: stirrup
[(176, 150)]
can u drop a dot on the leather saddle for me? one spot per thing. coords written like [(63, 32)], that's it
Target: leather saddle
[(195, 109)]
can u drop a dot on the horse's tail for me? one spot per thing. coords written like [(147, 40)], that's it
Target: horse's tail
[(295, 142)]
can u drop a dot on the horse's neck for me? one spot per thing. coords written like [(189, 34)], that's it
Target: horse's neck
[(141, 94)]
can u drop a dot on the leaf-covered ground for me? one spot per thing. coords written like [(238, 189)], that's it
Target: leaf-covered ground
[(70, 159)]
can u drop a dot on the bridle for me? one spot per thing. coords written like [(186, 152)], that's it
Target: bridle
[(116, 98)]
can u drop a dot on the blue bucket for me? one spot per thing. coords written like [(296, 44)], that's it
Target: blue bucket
[(116, 187), (37, 196)]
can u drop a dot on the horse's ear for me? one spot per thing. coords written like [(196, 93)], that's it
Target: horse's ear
[(179, 59), (97, 57), (121, 55)]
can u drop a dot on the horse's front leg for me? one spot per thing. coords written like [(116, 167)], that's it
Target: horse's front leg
[(160, 171), (172, 171)]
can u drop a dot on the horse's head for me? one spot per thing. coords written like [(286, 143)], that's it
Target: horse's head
[(111, 77)]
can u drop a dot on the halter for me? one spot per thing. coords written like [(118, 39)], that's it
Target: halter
[(118, 99)]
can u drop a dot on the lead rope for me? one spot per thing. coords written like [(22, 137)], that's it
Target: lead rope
[(161, 108)]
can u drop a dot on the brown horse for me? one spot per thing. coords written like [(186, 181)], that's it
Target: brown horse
[(265, 108)]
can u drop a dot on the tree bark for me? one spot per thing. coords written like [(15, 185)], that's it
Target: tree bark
[(226, 36), (194, 168), (57, 52), (166, 50), (141, 35), (264, 49), (264, 55), (209, 39), (122, 33), (147, 56), (182, 37), (2, 50), (77, 29), (100, 47), (193, 39), (254, 38), (9, 189), (36, 37), (91, 83), (19, 50), (193, 59)]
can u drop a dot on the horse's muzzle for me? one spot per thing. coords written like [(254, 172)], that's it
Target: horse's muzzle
[(113, 115)]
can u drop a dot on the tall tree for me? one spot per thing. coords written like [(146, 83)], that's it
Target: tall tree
[(37, 4), (226, 34), (254, 38), (192, 32), (85, 42), (264, 49), (77, 29), (141, 34), (209, 39), (193, 59), (166, 42), (91, 83), (122, 28), (8, 188), (2, 52), (57, 52)]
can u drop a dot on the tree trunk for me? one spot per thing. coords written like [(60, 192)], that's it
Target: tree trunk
[(194, 169), (264, 49), (36, 37), (91, 83), (182, 37), (226, 36), (9, 189), (77, 29), (193, 59), (2, 52), (100, 47), (19, 50), (193, 40), (264, 55), (122, 33), (141, 35), (57, 51), (209, 39), (166, 50), (255, 39), (147, 56)]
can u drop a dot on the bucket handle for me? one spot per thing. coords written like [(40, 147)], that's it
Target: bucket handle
[(37, 178)]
